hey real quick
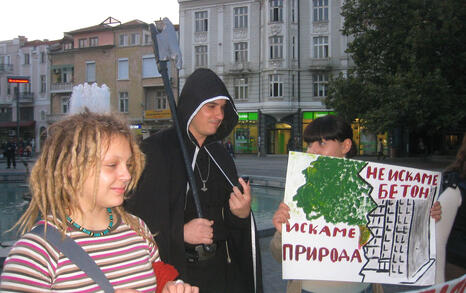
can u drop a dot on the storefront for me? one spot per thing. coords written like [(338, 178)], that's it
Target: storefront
[(154, 121), (26, 131), (366, 142), (308, 117), (279, 138), (244, 135)]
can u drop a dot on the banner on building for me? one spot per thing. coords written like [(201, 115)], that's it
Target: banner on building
[(358, 221)]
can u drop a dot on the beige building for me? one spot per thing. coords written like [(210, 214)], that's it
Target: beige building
[(120, 56)]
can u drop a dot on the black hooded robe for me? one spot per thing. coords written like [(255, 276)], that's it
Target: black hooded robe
[(163, 202)]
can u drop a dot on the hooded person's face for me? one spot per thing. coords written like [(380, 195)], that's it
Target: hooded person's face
[(207, 120)]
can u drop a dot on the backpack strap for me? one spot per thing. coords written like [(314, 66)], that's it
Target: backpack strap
[(76, 254)]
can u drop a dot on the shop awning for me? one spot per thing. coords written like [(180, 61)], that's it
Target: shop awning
[(8, 124)]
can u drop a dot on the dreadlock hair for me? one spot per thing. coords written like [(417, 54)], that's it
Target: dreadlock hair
[(73, 148), (329, 127)]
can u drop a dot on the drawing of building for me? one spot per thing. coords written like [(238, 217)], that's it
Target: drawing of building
[(398, 247)]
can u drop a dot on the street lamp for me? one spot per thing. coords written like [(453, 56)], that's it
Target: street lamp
[(17, 80)]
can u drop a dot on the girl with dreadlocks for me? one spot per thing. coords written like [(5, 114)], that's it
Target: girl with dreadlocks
[(88, 164)]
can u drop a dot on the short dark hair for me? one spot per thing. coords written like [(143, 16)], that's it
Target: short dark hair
[(328, 127)]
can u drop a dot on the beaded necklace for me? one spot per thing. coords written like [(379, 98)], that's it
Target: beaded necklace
[(90, 233)]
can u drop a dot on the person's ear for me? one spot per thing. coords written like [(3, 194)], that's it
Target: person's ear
[(347, 144)]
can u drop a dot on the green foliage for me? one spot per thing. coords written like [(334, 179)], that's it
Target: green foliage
[(334, 190), (410, 60)]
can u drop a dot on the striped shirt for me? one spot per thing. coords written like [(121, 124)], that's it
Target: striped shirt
[(33, 265)]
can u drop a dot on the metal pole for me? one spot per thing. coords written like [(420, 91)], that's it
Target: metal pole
[(17, 113), (162, 67)]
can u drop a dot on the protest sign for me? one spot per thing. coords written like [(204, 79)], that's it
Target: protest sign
[(358, 221)]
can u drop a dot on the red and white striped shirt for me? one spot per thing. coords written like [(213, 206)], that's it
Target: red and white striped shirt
[(34, 265)]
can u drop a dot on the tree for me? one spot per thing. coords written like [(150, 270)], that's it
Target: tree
[(410, 60)]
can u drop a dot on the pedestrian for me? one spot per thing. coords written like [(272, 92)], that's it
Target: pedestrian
[(207, 114), (88, 164), (290, 145), (380, 151), (229, 147), (328, 136), (11, 153), (454, 178)]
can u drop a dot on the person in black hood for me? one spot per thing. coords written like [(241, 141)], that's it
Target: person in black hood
[(163, 199)]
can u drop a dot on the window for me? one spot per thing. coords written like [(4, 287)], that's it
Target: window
[(68, 46), (8, 89), (43, 84), (241, 88), (241, 52), (241, 17), (123, 40), (158, 101), (123, 70), (134, 39), (26, 59), (292, 85), (201, 21), (42, 57), (320, 47), (123, 102), (320, 10), (82, 43), (293, 47), (293, 10), (276, 10), (276, 47), (42, 115), (90, 71), (276, 86), (27, 87), (94, 41), (149, 67), (320, 82), (161, 100), (65, 105), (201, 56), (147, 39)]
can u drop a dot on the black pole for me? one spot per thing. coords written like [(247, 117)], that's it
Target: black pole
[(162, 67), (17, 114)]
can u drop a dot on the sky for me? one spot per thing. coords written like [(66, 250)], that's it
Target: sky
[(49, 19)]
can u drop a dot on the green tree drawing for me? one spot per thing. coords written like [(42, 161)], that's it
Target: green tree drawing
[(334, 190)]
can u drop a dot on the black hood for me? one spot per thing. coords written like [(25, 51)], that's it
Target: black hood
[(203, 86)]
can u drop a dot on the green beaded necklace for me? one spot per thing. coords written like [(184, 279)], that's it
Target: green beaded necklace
[(92, 234)]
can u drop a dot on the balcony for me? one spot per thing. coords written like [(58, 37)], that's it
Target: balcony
[(26, 98), (61, 87), (320, 64), (5, 68), (51, 118), (239, 67)]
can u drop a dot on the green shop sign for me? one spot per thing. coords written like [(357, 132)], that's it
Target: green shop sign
[(248, 116)]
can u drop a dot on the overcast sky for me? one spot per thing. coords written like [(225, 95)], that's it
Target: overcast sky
[(49, 19)]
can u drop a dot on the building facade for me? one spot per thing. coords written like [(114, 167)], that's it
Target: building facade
[(276, 58), (120, 56), (24, 106)]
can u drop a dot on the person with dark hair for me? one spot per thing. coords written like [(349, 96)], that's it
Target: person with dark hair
[(10, 153), (328, 136), (455, 178), (380, 152), (164, 199)]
